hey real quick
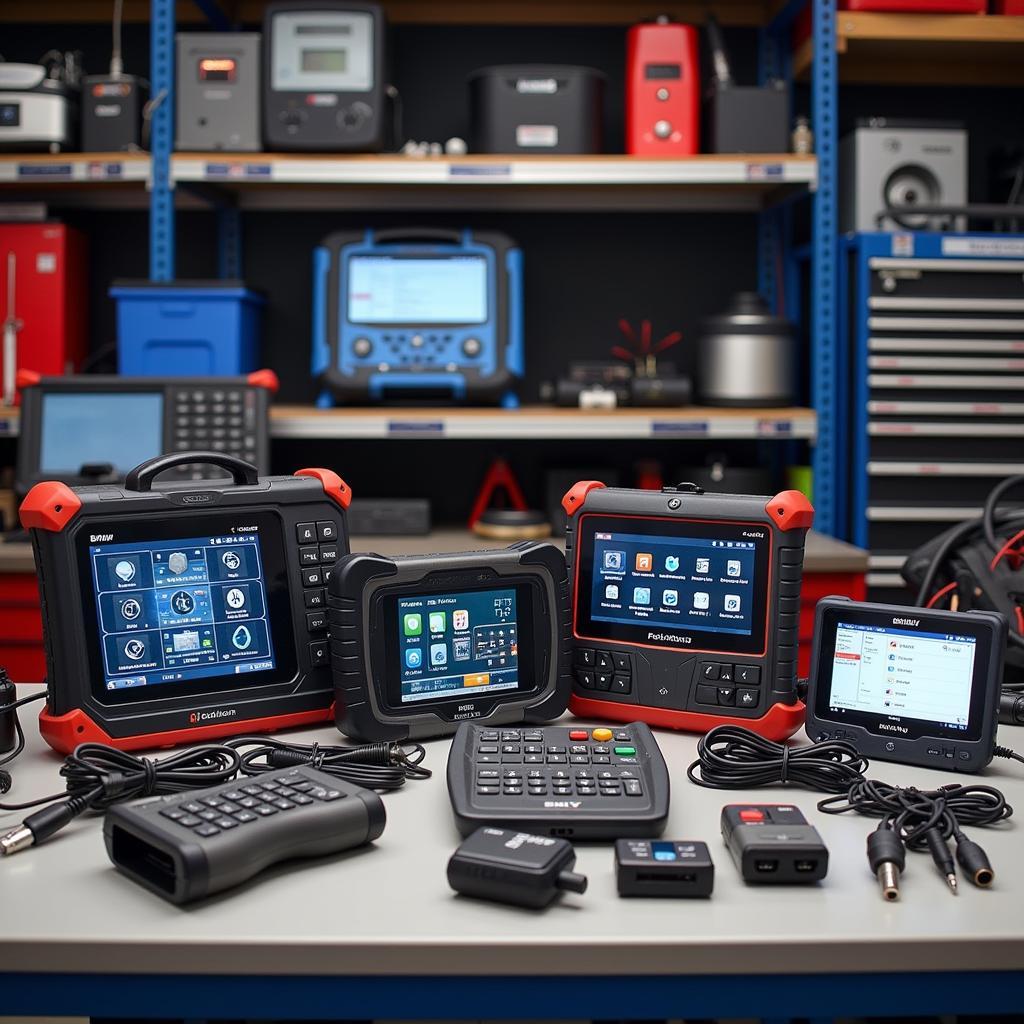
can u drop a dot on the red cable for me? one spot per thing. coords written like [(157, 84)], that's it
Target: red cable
[(940, 593), (1005, 549)]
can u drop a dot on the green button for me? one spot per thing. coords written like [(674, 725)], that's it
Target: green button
[(625, 751)]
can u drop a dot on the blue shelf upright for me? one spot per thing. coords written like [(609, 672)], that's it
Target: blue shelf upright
[(161, 197), (827, 460)]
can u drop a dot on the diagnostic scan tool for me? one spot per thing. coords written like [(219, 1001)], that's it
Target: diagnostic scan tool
[(418, 314), (179, 614), (94, 428), (424, 642), (907, 684), (686, 606)]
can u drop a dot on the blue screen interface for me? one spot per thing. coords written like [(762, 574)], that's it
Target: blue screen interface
[(176, 610), (408, 290), (122, 429), (462, 643), (678, 582)]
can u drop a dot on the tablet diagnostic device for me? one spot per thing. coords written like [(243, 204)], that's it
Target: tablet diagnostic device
[(907, 684), (686, 606)]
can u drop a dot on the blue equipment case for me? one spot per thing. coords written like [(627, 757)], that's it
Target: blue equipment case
[(474, 355), (187, 328)]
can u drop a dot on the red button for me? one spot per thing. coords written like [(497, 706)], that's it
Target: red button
[(578, 734), (750, 814)]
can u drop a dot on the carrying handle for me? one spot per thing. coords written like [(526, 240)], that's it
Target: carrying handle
[(418, 235), (142, 476)]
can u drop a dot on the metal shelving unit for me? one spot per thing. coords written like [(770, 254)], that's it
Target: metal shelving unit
[(766, 186)]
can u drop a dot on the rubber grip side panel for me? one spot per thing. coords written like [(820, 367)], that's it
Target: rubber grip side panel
[(353, 714), (561, 616)]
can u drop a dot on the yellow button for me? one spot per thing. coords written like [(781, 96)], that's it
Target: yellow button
[(602, 735)]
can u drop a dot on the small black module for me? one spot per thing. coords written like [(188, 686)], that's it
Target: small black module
[(654, 867), (772, 843)]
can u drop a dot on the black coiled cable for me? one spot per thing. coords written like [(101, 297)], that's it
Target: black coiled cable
[(914, 812), (732, 757)]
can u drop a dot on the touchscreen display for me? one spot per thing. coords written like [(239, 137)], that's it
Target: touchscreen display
[(462, 643), (673, 582), (678, 582), (177, 611), (400, 290), (890, 672), (120, 428)]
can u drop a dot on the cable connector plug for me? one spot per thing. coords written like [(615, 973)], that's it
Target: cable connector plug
[(972, 858), (939, 849), (887, 857), (40, 825)]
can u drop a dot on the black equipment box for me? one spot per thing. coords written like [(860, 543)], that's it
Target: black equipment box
[(423, 642), (392, 517), (536, 108), (178, 614), (573, 781), (747, 118), (192, 844), (112, 113)]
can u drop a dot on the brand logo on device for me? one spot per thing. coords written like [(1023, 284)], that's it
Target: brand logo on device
[(466, 711), (196, 499), (205, 716), (564, 804), (753, 534), (672, 638), (893, 728), (906, 622), (99, 538), (544, 85)]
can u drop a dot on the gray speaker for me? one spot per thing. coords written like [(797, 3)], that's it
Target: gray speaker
[(885, 162)]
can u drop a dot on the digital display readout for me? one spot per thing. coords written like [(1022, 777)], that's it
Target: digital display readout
[(458, 643), (171, 611)]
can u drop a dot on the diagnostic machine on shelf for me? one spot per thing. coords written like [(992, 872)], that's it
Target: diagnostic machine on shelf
[(418, 313)]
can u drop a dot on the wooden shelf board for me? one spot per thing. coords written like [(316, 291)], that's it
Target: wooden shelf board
[(541, 423), (940, 49)]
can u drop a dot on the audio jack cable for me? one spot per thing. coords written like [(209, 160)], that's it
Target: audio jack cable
[(732, 757)]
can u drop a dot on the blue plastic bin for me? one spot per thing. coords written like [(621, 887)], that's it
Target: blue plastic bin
[(187, 328)]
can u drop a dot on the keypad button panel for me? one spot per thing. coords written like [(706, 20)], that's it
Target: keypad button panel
[(234, 805), (571, 763), (202, 418)]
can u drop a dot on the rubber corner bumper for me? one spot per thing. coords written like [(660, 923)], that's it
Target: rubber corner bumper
[(27, 379), (334, 487), (790, 510), (577, 495), (50, 505), (65, 732), (264, 379), (778, 723)]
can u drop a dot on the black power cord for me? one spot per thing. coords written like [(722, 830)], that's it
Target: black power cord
[(97, 776), (732, 757), (383, 766), (9, 706)]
